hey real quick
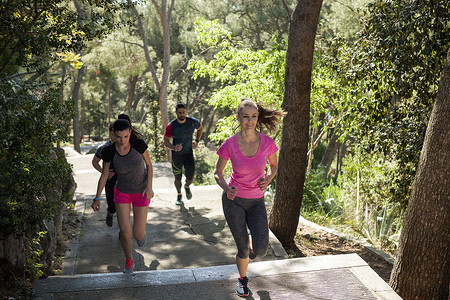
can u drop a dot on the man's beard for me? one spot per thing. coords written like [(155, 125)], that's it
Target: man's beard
[(181, 118)]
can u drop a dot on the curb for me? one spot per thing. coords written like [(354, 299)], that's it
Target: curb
[(71, 254), (364, 244), (276, 247)]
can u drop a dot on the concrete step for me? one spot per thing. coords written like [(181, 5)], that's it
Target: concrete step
[(321, 277)]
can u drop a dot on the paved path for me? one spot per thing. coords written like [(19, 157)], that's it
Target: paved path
[(190, 254), (175, 233)]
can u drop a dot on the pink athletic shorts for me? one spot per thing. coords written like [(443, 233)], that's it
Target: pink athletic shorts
[(136, 199)]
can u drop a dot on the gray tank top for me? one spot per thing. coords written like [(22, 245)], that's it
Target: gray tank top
[(130, 168)]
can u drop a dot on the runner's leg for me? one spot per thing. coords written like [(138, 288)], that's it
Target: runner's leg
[(139, 222), (177, 165), (236, 220), (258, 226), (189, 168), (123, 217)]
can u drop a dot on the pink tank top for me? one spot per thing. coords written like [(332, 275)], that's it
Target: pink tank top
[(247, 170)]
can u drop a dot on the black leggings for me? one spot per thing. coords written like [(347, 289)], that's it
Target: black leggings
[(109, 191), (241, 213), (178, 161)]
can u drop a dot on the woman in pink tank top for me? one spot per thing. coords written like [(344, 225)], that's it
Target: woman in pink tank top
[(243, 193)]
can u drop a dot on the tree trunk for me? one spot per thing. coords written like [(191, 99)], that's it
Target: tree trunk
[(165, 17), (310, 153), (109, 108), (161, 86), (61, 91), (131, 89), (76, 119), (422, 268), (294, 141), (330, 152), (209, 127), (82, 118), (76, 91)]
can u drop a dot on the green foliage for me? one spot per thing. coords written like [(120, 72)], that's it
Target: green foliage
[(33, 267), (151, 129), (32, 119), (317, 200), (258, 75), (395, 66), (32, 31), (122, 59), (254, 22), (374, 173), (340, 18), (376, 217), (204, 165), (378, 225)]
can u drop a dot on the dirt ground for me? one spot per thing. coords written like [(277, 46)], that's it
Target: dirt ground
[(312, 242)]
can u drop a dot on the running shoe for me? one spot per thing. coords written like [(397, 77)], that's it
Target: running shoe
[(188, 193), (129, 265), (142, 242), (109, 220), (179, 201), (252, 255), (241, 287)]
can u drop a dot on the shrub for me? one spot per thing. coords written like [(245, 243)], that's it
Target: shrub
[(32, 119)]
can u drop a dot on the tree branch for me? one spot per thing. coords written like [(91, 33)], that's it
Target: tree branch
[(169, 17), (345, 5), (316, 142), (144, 40), (286, 8), (183, 67)]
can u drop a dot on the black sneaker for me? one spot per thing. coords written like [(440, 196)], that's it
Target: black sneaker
[(188, 193), (241, 287), (109, 220), (252, 255), (179, 201)]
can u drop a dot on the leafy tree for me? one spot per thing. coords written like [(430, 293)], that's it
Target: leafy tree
[(257, 22), (397, 65), (240, 71), (421, 270), (32, 32), (31, 119), (340, 18)]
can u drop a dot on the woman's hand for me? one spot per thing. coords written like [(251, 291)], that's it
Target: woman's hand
[(148, 193), (96, 205), (263, 183), (231, 192)]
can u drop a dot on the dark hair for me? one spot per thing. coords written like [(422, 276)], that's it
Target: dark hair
[(267, 118), (179, 105), (111, 127), (125, 117), (134, 132), (121, 125)]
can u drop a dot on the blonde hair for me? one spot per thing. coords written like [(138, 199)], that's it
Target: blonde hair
[(267, 118)]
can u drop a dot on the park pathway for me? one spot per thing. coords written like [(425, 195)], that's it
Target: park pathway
[(189, 254)]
